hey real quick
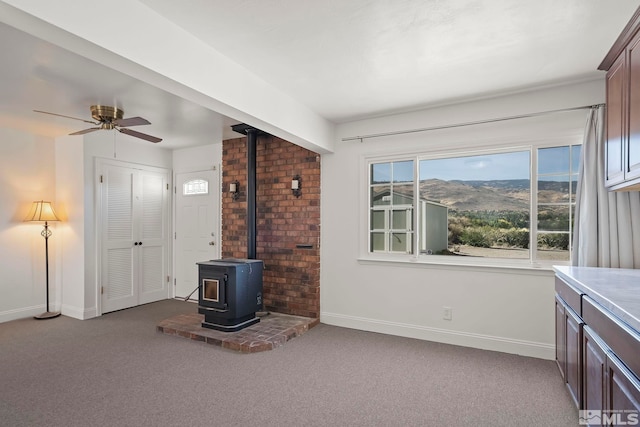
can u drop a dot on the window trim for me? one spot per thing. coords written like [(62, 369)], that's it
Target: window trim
[(531, 144)]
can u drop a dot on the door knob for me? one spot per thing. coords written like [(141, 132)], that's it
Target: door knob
[(211, 243)]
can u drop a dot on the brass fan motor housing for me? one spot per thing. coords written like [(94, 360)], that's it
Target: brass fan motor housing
[(110, 118), (106, 115)]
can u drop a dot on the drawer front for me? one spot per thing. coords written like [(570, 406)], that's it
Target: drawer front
[(570, 295), (623, 341)]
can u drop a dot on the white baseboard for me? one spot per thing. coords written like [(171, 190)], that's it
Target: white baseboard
[(21, 313), (465, 339), (70, 311), (79, 313)]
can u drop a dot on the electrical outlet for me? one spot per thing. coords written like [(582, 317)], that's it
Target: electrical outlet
[(447, 313)]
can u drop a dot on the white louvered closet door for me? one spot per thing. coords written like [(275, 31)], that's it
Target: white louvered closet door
[(153, 284), (133, 235)]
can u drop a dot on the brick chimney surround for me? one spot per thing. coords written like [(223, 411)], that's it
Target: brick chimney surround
[(288, 227)]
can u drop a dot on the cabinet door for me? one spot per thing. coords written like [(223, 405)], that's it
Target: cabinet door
[(616, 132), (561, 334), (594, 360), (632, 159), (623, 390), (574, 356)]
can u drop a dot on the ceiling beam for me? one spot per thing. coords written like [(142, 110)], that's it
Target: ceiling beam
[(143, 44)]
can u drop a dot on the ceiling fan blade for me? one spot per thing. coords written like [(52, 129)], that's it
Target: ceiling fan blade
[(67, 117), (139, 135), (82, 132), (131, 121)]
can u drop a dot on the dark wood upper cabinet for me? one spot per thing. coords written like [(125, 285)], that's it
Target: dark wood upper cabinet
[(632, 160), (622, 145), (615, 136)]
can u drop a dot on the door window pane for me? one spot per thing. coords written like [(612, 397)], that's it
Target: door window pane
[(195, 186)]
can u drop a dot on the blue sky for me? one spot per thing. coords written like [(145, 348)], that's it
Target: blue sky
[(501, 166), (484, 167)]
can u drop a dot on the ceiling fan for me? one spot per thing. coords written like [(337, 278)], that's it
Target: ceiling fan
[(111, 118)]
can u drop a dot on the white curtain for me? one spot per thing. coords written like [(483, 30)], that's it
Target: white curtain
[(606, 223)]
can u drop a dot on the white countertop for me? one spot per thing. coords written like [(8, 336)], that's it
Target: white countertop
[(616, 289)]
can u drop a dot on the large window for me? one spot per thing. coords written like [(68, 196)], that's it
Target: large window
[(510, 204)]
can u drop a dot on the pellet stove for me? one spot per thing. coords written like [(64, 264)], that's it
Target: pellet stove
[(230, 293)]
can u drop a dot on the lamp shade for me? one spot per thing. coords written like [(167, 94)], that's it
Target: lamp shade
[(41, 211)]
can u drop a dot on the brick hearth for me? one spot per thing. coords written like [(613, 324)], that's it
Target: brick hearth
[(273, 331)]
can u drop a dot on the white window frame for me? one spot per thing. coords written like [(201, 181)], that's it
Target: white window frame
[(416, 257)]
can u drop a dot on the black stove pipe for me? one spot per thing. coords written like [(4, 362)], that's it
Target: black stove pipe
[(252, 137), (252, 142)]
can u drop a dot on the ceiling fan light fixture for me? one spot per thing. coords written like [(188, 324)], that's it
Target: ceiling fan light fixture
[(103, 113), (110, 118)]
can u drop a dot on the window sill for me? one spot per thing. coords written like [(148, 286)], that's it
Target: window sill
[(495, 265)]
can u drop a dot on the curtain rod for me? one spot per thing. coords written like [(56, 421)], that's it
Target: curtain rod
[(479, 122)]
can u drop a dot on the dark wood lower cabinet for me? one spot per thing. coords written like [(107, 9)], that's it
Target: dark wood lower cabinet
[(594, 371), (574, 355), (561, 337), (623, 390), (569, 339), (599, 359)]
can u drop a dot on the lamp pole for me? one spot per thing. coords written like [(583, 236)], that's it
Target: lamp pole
[(46, 233), (43, 211)]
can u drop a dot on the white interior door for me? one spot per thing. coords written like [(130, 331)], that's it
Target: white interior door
[(197, 224), (133, 235), (118, 275), (152, 229)]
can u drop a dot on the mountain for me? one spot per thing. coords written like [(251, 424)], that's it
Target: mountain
[(495, 195), (513, 184)]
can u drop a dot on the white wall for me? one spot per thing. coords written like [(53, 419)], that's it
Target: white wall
[(27, 173), (70, 188), (197, 158), (76, 184), (497, 308)]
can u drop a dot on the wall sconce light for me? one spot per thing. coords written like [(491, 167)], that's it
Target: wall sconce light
[(43, 211), (296, 186), (234, 189)]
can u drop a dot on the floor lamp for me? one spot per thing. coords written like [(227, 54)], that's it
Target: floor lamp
[(43, 211)]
